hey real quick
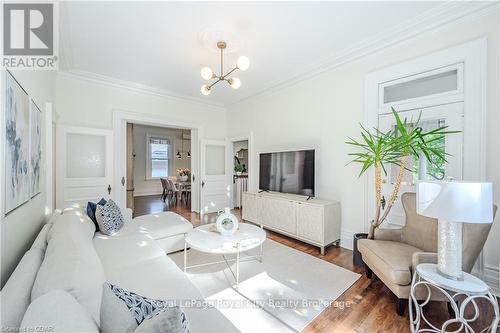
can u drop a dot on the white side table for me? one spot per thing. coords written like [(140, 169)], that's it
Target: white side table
[(428, 278)]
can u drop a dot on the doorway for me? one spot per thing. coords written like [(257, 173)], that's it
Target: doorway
[(158, 169), (435, 89), (240, 171), (191, 130)]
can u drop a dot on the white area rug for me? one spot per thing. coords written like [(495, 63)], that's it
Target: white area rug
[(290, 287)]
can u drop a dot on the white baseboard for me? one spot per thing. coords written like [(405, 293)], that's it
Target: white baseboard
[(144, 193), (346, 239), (491, 276)]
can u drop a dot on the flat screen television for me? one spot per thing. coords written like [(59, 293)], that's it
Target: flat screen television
[(287, 172)]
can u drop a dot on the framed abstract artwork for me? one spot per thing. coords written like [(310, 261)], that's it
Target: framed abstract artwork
[(17, 158), (35, 148)]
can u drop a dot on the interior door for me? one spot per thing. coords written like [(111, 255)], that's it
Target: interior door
[(215, 188), (84, 165), (450, 115)]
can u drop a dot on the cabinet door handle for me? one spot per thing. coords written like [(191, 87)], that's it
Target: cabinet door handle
[(109, 188), (123, 181)]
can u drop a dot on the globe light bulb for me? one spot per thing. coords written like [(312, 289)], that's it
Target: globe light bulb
[(206, 73), (243, 63), (205, 90), (235, 83)]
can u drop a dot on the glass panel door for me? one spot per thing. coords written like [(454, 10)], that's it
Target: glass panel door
[(444, 115)]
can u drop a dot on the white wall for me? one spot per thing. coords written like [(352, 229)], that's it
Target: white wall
[(323, 111), (20, 227), (145, 186), (90, 103)]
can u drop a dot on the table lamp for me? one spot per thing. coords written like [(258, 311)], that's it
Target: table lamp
[(454, 203)]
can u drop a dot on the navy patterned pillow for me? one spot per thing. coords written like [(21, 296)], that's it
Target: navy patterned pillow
[(109, 217), (91, 207), (143, 309)]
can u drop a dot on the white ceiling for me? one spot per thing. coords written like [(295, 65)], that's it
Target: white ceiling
[(161, 44)]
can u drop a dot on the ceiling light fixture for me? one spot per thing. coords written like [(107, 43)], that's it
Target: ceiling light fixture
[(207, 74)]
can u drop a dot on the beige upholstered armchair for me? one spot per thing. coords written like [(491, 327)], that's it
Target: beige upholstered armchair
[(394, 253)]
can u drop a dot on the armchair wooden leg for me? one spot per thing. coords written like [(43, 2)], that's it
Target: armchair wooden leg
[(400, 306), (368, 271)]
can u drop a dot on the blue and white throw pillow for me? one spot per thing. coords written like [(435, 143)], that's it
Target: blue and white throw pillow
[(91, 207), (125, 311), (109, 217)]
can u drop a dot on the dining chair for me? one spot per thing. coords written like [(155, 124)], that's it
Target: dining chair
[(164, 186), (174, 189), (186, 194)]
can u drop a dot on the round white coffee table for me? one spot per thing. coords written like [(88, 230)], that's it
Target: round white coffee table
[(472, 288), (207, 239)]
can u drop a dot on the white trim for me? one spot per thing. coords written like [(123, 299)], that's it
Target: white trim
[(49, 159), (491, 275), (120, 119), (434, 18), (137, 87), (143, 193), (346, 239), (171, 141)]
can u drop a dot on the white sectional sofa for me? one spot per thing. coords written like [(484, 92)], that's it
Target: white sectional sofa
[(70, 256)]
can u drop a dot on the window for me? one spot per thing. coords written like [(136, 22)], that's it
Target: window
[(158, 157), (422, 169), (424, 86)]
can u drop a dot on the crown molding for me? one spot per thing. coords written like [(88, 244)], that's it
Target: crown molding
[(137, 87), (429, 20)]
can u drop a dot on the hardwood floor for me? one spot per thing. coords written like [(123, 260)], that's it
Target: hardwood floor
[(367, 306)]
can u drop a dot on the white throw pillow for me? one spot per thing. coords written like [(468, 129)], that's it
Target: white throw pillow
[(71, 263), (109, 217), (57, 311), (16, 293), (73, 222)]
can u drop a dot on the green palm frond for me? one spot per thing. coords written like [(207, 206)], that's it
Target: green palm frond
[(407, 138)]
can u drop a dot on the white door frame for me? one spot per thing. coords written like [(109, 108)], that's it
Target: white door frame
[(474, 58), (251, 163), (120, 120)]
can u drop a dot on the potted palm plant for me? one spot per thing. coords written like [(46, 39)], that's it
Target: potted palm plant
[(378, 150)]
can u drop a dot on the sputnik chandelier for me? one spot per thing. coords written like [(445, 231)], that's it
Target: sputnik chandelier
[(206, 73)]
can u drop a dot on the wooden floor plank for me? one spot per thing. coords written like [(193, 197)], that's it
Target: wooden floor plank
[(369, 304)]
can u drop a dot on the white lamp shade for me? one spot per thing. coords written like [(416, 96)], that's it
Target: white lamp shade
[(456, 201)]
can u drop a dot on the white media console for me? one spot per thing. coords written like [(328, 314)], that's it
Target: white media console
[(313, 221)]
